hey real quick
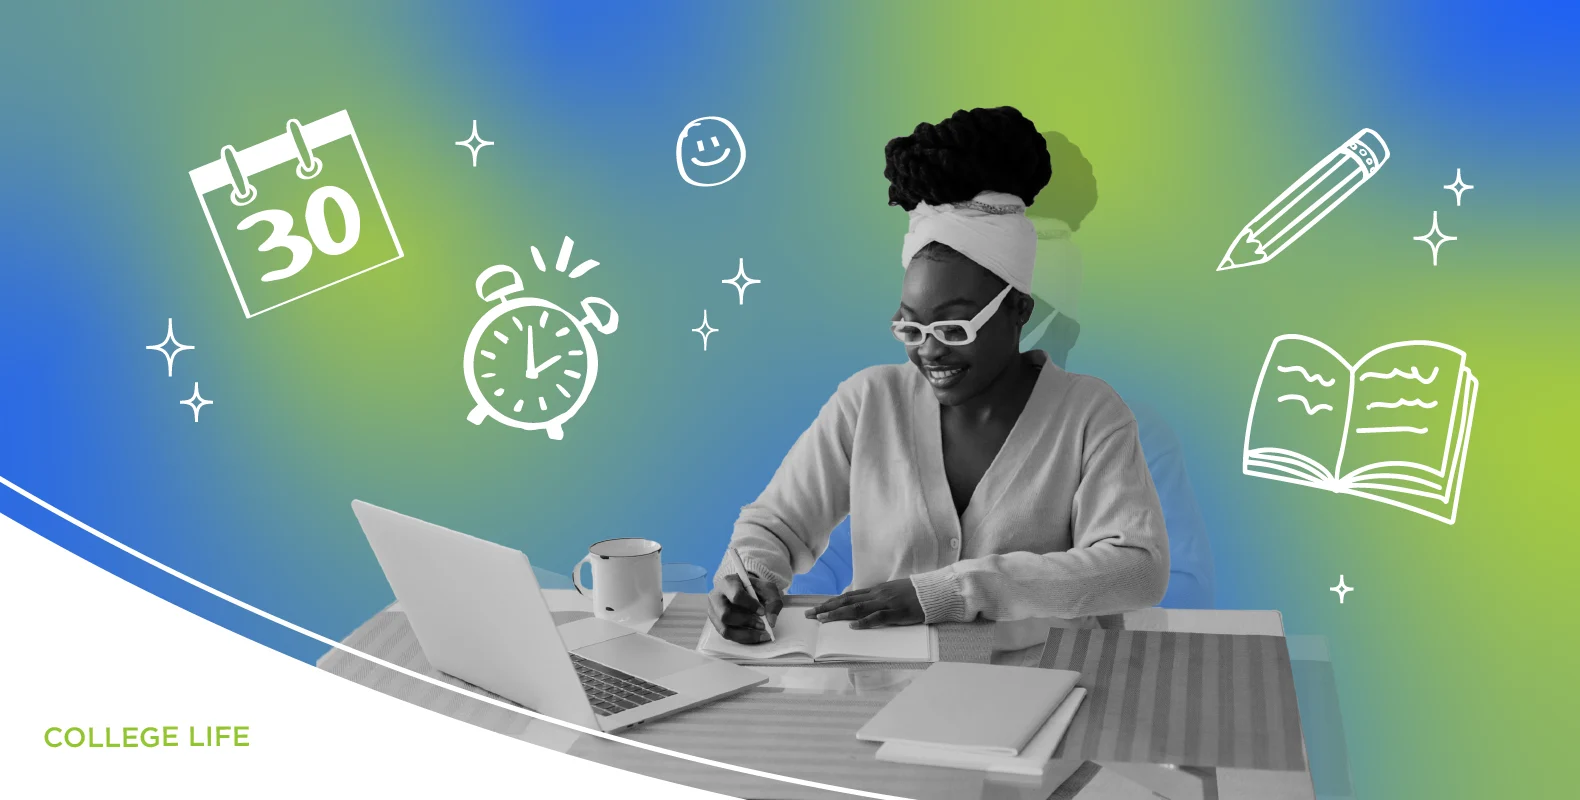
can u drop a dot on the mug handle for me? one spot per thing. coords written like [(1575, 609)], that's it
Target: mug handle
[(576, 575)]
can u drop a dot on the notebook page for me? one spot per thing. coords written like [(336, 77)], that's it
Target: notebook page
[(1406, 401), (1297, 418), (837, 641), (794, 635)]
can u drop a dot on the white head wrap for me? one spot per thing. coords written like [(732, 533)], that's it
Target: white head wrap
[(990, 229)]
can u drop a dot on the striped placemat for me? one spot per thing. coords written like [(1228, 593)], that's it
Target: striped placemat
[(1211, 700)]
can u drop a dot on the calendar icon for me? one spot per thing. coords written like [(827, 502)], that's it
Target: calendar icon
[(296, 213)]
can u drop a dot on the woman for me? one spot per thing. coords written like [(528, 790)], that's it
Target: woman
[(979, 480)]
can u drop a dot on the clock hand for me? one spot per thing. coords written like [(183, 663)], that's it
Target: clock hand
[(545, 365), (532, 371)]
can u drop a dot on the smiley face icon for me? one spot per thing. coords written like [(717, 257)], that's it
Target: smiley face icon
[(710, 151)]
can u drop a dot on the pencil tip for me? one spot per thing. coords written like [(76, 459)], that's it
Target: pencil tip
[(1245, 252)]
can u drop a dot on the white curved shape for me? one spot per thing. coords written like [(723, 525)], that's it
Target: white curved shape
[(1414, 374), (419, 676), (1418, 403), (1310, 409), (296, 720), (1317, 378), (714, 162)]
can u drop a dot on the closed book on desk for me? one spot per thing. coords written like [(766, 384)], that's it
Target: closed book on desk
[(799, 640), (1033, 758), (982, 708)]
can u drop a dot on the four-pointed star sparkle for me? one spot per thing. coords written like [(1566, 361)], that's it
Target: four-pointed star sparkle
[(1435, 238), (196, 401), (474, 143), (1458, 187), (705, 329), (164, 347), (1341, 589), (740, 281)]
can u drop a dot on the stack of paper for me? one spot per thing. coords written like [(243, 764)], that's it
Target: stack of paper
[(977, 716)]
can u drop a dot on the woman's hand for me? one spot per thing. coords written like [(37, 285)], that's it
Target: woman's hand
[(890, 603), (737, 616)]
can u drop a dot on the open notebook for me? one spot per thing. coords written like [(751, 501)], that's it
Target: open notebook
[(799, 640)]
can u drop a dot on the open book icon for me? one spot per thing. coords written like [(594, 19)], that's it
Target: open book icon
[(1392, 427)]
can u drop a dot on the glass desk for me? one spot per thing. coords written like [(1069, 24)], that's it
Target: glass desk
[(801, 723)]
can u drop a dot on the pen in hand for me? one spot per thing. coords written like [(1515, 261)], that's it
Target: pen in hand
[(740, 572)]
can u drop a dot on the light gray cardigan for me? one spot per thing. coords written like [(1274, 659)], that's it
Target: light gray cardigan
[(1065, 523)]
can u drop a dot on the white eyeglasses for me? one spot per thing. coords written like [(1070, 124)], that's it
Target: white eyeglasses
[(953, 332)]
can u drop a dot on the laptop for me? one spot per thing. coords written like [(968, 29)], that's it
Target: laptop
[(479, 616)]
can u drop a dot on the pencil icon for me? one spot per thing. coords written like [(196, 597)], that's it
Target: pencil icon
[(1308, 200)]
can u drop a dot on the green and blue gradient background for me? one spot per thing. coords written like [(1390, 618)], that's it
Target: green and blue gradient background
[(1455, 657)]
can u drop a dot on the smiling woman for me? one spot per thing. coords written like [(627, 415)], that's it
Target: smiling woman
[(979, 480)]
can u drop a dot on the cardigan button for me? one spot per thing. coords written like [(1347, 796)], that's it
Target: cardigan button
[(955, 543)]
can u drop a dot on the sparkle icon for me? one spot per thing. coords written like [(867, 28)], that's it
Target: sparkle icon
[(705, 329), (164, 347), (1435, 238), (196, 401), (1341, 589), (1458, 187), (740, 281), (474, 143)]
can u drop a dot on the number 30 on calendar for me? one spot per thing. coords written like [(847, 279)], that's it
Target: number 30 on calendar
[(311, 179)]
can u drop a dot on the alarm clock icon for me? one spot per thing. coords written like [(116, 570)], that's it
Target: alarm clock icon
[(529, 364)]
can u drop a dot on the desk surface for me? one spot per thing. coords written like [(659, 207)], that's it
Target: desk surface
[(801, 724)]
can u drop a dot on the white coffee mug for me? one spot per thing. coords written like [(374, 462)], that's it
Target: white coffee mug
[(627, 580)]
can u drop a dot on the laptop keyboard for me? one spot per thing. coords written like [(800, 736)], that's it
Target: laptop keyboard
[(611, 691)]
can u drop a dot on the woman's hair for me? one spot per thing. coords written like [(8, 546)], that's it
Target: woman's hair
[(981, 150), (1073, 193)]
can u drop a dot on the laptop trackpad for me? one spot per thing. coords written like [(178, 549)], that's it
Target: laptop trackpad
[(642, 656)]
